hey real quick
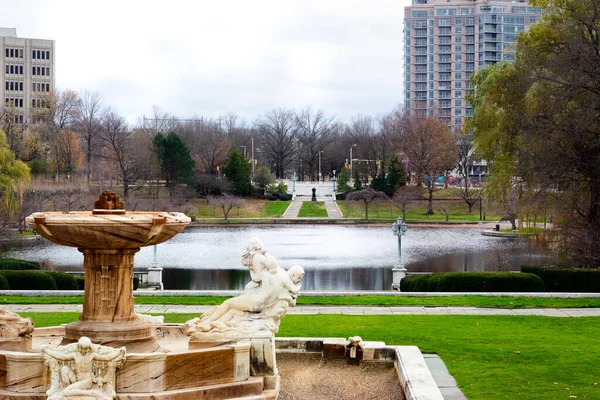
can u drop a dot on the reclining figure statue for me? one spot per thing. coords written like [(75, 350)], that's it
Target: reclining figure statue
[(262, 304)]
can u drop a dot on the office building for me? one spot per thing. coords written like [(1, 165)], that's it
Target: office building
[(27, 72), (446, 41)]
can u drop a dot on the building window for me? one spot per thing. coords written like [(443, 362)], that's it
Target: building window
[(47, 54), (33, 54), (444, 22), (20, 53), (457, 121), (458, 111), (47, 87)]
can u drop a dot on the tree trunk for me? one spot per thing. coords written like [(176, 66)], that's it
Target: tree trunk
[(430, 200), (366, 210)]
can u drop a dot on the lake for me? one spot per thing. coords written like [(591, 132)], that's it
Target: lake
[(335, 257)]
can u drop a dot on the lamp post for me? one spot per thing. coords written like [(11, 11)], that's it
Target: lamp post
[(252, 159), (399, 228), (320, 152), (334, 181), (351, 177)]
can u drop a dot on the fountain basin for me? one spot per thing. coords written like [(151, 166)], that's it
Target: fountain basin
[(112, 229)]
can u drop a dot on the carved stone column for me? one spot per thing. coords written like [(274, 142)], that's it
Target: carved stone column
[(108, 307)]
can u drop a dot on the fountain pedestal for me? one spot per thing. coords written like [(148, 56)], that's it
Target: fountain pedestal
[(108, 307)]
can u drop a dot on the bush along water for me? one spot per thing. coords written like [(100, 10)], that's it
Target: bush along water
[(472, 282)]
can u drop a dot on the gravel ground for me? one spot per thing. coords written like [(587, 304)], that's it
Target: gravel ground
[(309, 377)]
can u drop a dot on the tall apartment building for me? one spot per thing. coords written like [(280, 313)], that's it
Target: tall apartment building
[(446, 41), (27, 72)]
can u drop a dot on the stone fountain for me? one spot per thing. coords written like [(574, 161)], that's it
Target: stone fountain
[(113, 353), (109, 237)]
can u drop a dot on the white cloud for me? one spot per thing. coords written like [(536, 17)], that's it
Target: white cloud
[(209, 58)]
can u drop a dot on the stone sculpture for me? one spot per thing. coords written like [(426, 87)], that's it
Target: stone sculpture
[(82, 370), (13, 325), (262, 304)]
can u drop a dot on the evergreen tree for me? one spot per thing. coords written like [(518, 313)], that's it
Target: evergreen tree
[(358, 185), (380, 183), (342, 182), (238, 171), (176, 163), (396, 177)]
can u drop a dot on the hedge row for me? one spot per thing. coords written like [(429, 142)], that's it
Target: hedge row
[(566, 279), (472, 282), (14, 264), (44, 280)]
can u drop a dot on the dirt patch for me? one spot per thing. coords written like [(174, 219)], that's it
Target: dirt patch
[(308, 376)]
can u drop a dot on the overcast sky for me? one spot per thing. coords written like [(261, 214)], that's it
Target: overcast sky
[(207, 58)]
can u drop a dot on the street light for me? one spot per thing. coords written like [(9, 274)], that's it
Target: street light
[(399, 228), (253, 158), (351, 176), (320, 152)]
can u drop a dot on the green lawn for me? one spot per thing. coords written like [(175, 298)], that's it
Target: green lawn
[(416, 211), (252, 208), (446, 301), (275, 208), (313, 209), (491, 357)]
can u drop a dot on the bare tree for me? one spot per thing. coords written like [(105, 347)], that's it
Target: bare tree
[(430, 148), (405, 195), (316, 131), (61, 111), (367, 196), (89, 126), (465, 151), (208, 143), (279, 136), (119, 141), (225, 202)]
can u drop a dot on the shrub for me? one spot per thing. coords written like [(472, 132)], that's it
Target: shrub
[(279, 191), (29, 280), (4, 283), (558, 279), (80, 282), (14, 264), (63, 280), (472, 282), (136, 282)]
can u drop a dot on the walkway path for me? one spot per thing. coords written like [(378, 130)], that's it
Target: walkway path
[(333, 211), (344, 310)]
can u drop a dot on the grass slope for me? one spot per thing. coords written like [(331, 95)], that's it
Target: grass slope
[(313, 209), (491, 357)]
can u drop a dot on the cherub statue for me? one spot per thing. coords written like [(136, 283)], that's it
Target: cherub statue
[(83, 369), (261, 305)]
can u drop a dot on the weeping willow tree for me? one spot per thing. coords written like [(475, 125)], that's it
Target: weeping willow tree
[(538, 121), (14, 175)]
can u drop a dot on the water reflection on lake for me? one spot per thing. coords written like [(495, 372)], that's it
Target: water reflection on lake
[(334, 257)]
